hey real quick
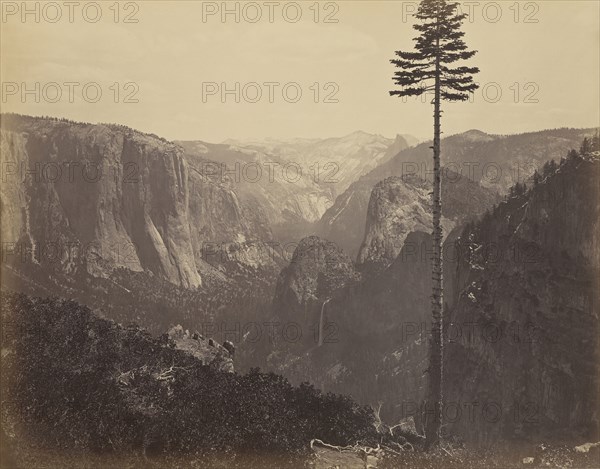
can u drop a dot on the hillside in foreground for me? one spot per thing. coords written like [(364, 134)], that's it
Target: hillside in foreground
[(84, 385)]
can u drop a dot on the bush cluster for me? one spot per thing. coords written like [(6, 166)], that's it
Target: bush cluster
[(73, 380)]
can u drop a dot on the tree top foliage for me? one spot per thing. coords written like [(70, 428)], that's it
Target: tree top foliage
[(437, 48)]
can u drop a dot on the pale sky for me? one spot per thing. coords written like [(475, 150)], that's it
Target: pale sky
[(171, 53)]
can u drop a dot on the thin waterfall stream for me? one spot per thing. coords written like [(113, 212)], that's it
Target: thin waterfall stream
[(321, 322)]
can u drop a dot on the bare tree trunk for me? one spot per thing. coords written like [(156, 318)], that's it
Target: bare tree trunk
[(434, 404)]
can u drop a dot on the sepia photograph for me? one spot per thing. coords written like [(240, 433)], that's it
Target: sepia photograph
[(311, 234)]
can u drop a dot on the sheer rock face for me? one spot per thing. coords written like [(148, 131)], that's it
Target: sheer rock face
[(374, 342), (526, 287), (521, 320), (495, 162), (317, 270), (285, 191), (107, 196), (397, 207), (335, 162), (295, 181)]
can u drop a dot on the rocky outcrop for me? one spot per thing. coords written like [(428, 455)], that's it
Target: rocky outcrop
[(375, 345), (401, 142), (317, 270), (209, 352), (526, 287), (287, 194), (397, 207), (333, 163), (495, 162), (106, 196), (521, 353)]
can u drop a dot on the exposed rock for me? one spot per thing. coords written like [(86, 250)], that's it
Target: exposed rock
[(228, 345), (496, 162), (526, 277), (318, 271), (509, 274), (246, 258), (586, 447), (210, 353), (336, 162), (401, 142), (105, 196), (397, 207), (377, 347), (288, 195), (318, 268)]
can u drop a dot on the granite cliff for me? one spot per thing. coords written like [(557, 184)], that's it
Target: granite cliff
[(495, 162), (106, 196), (400, 205), (521, 329), (526, 279)]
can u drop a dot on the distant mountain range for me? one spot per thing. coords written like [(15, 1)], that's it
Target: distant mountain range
[(193, 209), (295, 181), (521, 314), (495, 162), (335, 162), (166, 233), (288, 197)]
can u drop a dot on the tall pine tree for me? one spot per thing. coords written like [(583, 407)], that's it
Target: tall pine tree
[(432, 68)]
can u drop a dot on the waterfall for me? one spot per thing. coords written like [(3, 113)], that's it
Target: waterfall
[(321, 322)]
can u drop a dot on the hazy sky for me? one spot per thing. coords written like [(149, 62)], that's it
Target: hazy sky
[(546, 71)]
